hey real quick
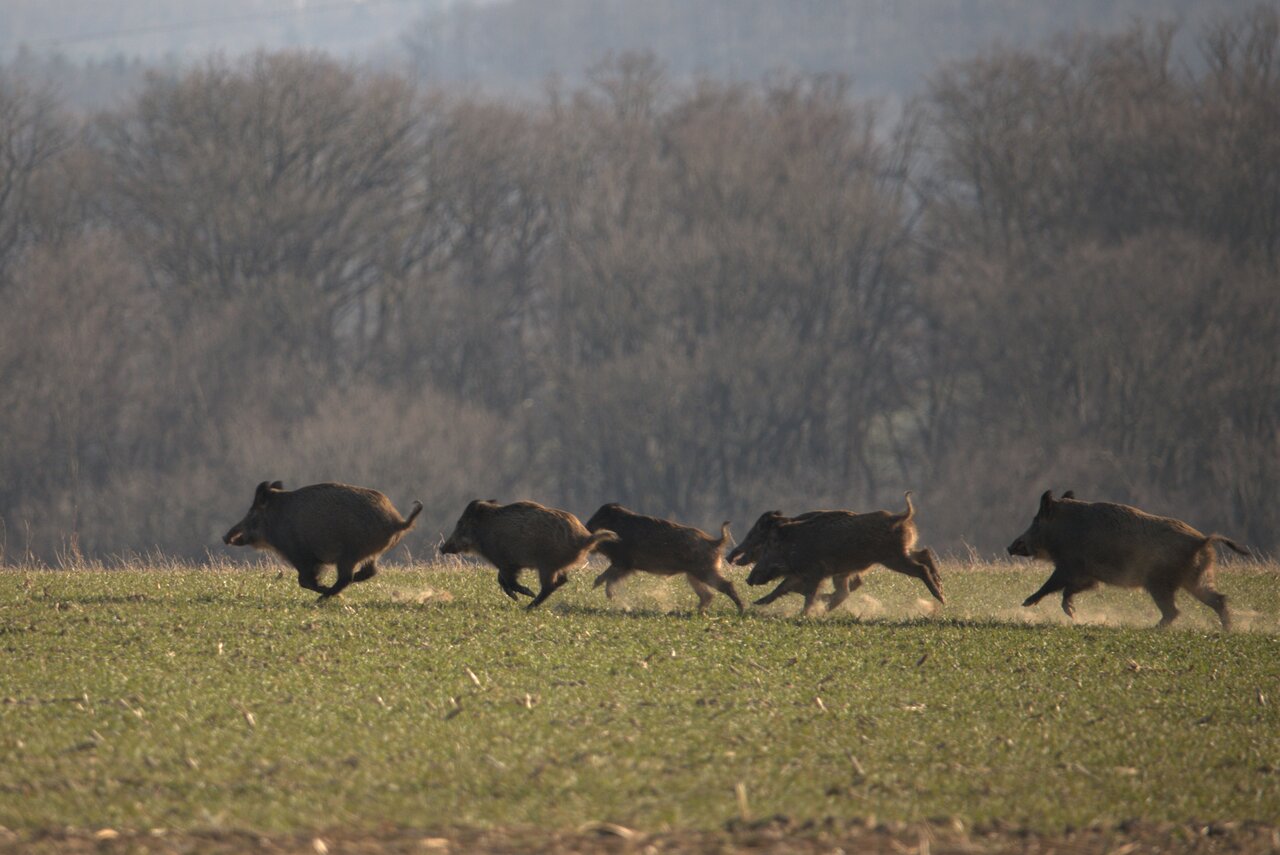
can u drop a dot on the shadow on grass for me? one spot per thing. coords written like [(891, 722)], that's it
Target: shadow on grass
[(639, 613)]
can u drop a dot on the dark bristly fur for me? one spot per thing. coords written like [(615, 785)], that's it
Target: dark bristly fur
[(323, 524), (805, 550), (1093, 542), (750, 550), (524, 534), (666, 548)]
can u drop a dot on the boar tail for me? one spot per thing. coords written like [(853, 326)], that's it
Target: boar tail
[(910, 512), (724, 535), (602, 536), (413, 515), (1226, 541)]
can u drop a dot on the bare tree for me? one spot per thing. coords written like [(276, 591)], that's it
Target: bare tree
[(33, 134)]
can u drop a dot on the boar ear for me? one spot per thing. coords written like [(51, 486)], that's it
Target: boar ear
[(1070, 494), (1046, 503), (261, 494), (277, 485)]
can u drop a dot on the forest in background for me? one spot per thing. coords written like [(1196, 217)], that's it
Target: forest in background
[(1056, 268)]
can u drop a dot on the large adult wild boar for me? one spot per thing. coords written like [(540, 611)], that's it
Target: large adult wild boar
[(841, 544), (661, 547), (323, 524), (524, 534), (1092, 542), (752, 549)]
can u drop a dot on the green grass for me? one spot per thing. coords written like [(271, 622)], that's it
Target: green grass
[(199, 698)]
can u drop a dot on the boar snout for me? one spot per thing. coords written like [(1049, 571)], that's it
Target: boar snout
[(763, 573), (235, 537), (1019, 547)]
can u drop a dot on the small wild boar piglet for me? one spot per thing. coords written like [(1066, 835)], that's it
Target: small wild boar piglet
[(805, 550), (1092, 542), (662, 547), (323, 524), (524, 534)]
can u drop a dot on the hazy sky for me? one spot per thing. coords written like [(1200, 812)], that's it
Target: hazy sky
[(155, 28)]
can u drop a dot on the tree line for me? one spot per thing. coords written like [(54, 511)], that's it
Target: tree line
[(1055, 268)]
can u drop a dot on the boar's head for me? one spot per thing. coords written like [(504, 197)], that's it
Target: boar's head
[(753, 545), (602, 518), (466, 534), (252, 530), (1033, 543)]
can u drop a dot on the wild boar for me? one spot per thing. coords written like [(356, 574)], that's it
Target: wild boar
[(524, 534), (753, 549), (1092, 542), (661, 547), (323, 524), (841, 544), (750, 550)]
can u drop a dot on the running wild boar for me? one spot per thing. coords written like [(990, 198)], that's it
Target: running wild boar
[(805, 550), (323, 524), (664, 548), (751, 550), (524, 534), (1092, 542)]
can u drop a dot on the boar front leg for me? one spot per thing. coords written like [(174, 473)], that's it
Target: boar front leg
[(1057, 580), (788, 585), (845, 584), (508, 580), (346, 572), (309, 575)]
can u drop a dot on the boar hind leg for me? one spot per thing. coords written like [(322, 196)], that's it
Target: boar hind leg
[(845, 584), (703, 591), (911, 567), (1211, 598), (929, 561), (368, 571), (550, 582), (1070, 591), (1163, 594), (611, 577), (717, 582), (725, 587)]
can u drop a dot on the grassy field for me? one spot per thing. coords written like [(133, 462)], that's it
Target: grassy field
[(224, 697)]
